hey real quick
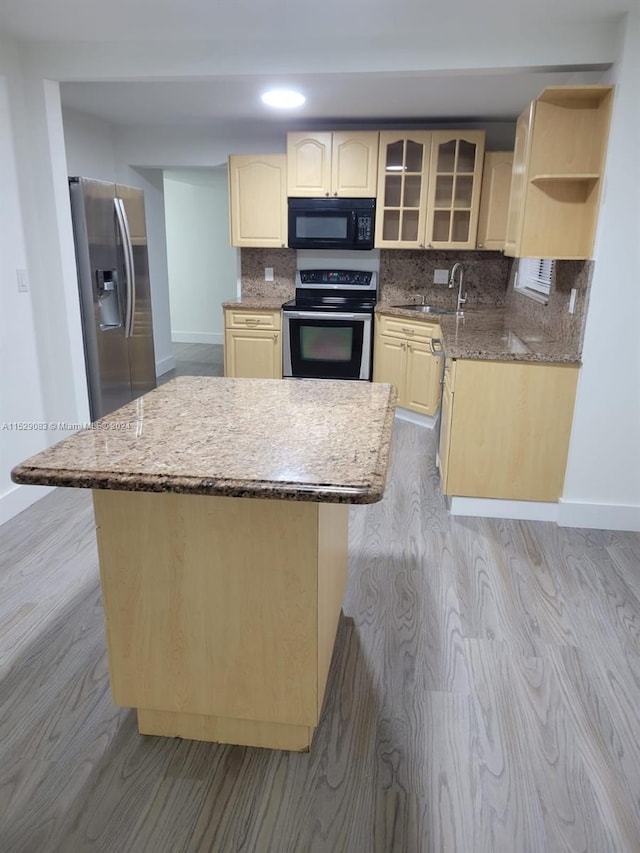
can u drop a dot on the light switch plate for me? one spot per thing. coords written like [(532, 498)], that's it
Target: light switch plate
[(268, 273), (23, 281), (441, 276)]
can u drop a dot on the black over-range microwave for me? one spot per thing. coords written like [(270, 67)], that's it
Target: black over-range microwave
[(331, 223)]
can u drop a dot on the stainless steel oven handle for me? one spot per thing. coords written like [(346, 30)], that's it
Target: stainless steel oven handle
[(324, 315)]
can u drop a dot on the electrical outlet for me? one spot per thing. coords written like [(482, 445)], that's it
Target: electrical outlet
[(268, 273), (23, 281), (441, 276), (572, 300)]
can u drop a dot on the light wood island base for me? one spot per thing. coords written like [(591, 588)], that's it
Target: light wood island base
[(225, 730), (221, 613)]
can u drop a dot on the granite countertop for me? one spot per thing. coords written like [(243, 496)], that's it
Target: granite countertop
[(492, 334), (315, 440), (254, 303)]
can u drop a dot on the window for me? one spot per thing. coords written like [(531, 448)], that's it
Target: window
[(533, 277)]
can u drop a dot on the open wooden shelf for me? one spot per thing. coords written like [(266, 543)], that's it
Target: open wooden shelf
[(561, 142), (542, 179)]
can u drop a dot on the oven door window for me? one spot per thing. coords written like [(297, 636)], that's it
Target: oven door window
[(326, 349)]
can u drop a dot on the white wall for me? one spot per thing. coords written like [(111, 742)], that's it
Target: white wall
[(602, 486), (42, 368), (92, 151), (90, 145), (17, 336), (202, 265)]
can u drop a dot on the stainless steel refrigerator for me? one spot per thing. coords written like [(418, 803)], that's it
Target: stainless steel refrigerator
[(115, 298)]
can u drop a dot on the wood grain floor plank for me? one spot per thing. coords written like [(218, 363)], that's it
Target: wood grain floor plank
[(572, 816), (507, 814), (495, 600)]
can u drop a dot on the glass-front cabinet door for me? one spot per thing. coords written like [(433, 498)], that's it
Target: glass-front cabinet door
[(455, 177), (403, 174)]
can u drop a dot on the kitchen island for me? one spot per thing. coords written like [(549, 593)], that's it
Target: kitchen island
[(221, 512)]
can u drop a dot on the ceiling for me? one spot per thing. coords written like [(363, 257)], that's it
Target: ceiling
[(330, 98), (358, 60)]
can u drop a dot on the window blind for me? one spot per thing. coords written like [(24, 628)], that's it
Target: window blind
[(535, 274)]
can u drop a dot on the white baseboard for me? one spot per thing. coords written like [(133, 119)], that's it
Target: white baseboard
[(599, 516), (165, 365), (19, 498), (197, 337), (415, 418), (495, 508)]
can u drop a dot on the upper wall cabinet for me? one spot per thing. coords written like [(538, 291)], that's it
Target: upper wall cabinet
[(455, 176), (342, 164), (258, 200), (429, 189), (558, 166), (403, 176), (494, 199)]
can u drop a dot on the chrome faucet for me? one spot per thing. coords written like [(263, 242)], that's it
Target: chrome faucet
[(462, 297)]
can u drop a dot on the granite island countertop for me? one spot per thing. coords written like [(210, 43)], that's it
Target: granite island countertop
[(306, 440), (492, 334)]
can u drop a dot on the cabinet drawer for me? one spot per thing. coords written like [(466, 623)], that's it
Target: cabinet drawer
[(242, 318), (400, 327)]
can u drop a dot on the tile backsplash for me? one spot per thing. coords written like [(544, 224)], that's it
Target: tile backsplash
[(553, 319), (252, 265), (407, 276)]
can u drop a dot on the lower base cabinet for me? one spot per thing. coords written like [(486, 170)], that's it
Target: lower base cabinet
[(402, 357), (505, 429), (252, 344)]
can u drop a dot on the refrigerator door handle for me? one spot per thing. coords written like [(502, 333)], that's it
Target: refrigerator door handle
[(129, 268)]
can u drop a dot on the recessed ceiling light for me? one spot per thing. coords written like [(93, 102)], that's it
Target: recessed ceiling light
[(283, 99)]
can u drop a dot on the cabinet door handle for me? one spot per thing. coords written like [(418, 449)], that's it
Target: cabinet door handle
[(408, 331), (481, 245), (275, 336), (435, 345), (327, 193), (409, 347), (251, 321), (335, 193)]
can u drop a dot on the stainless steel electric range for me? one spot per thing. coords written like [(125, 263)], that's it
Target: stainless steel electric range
[(328, 327)]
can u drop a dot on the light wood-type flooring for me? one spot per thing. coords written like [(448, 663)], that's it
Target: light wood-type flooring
[(484, 695), (195, 360)]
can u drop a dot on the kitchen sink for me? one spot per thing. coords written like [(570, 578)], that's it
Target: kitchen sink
[(430, 309)]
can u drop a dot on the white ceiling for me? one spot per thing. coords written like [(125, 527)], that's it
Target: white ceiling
[(204, 62), (330, 98)]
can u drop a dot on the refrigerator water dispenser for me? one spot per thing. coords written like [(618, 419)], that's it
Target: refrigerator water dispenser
[(109, 311)]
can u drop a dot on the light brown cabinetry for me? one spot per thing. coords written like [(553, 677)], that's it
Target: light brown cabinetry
[(402, 356), (221, 613), (403, 175), (252, 344), (258, 200), (558, 167), (494, 200), (342, 164), (429, 189), (505, 429), (455, 176)]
